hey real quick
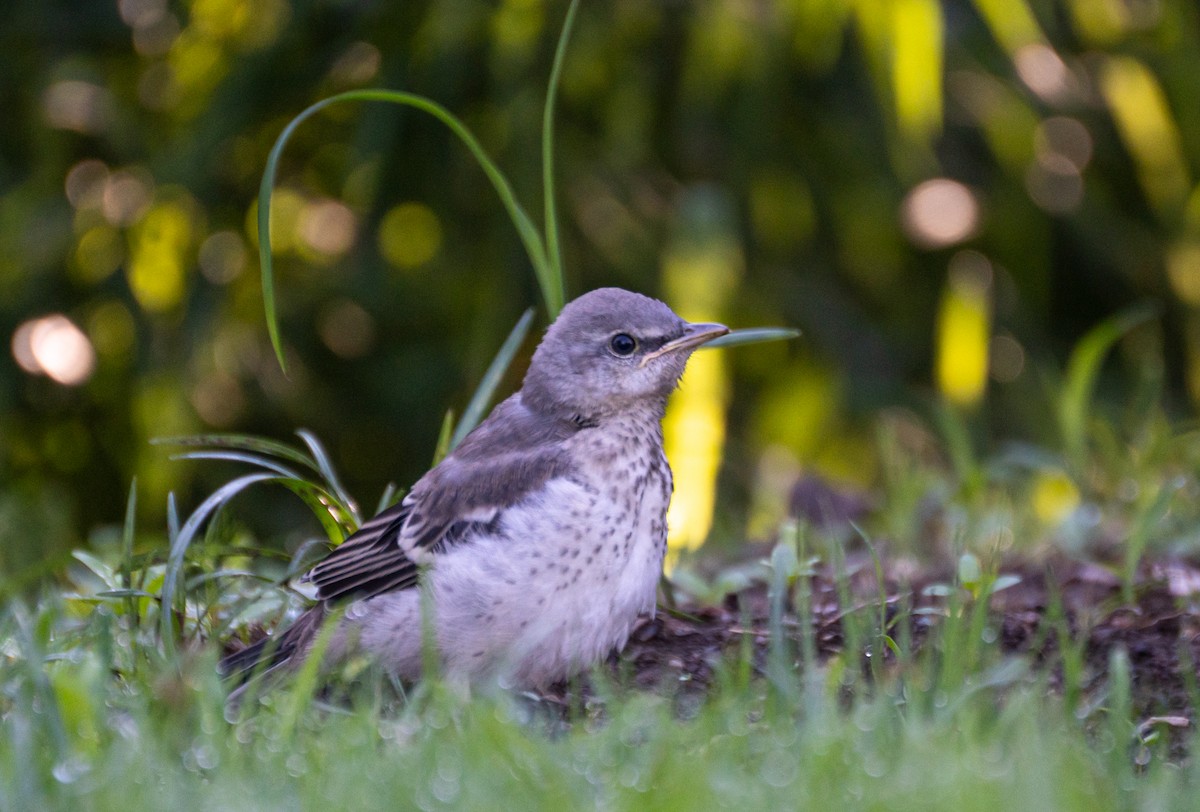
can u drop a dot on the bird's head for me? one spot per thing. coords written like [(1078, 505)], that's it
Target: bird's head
[(609, 350)]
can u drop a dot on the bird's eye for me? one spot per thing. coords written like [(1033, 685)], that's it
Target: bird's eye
[(623, 344)]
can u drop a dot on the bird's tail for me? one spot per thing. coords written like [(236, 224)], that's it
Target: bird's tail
[(270, 655)]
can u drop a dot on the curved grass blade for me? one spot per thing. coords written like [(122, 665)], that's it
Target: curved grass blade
[(331, 478), (528, 233), (491, 379), (181, 539), (243, 442), (554, 295), (1083, 367), (335, 519), (240, 456), (751, 335), (389, 497)]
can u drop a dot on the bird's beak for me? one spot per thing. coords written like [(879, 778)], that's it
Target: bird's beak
[(693, 336)]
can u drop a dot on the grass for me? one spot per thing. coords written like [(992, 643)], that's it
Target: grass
[(91, 719), (107, 702)]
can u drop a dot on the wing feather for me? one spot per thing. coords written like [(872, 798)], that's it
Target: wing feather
[(509, 455)]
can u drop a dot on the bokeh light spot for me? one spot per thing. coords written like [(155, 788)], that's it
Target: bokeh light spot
[(940, 212), (156, 270), (85, 183), (1064, 136), (327, 227), (1043, 71), (1143, 118), (140, 13), (1183, 272), (112, 329), (53, 346), (410, 235), (98, 253), (222, 257), (75, 105), (1008, 358), (357, 65), (1054, 184), (218, 399), (964, 325), (1054, 496), (127, 196), (347, 329)]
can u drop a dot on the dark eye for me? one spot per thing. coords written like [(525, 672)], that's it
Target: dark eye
[(623, 344)]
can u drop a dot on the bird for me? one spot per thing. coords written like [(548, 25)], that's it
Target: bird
[(529, 552)]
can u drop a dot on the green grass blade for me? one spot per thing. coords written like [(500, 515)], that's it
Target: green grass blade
[(1083, 367), (331, 478), (181, 539), (33, 659), (240, 456), (528, 233), (335, 519), (243, 442), (751, 335), (491, 379), (127, 533), (304, 689), (444, 434), (552, 290)]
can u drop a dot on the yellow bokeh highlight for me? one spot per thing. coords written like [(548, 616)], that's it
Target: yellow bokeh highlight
[(1011, 23), (1144, 121), (98, 253), (197, 66), (517, 24), (917, 66), (1183, 272), (963, 329), (1100, 22), (1054, 496), (286, 207), (700, 271), (694, 435), (112, 330), (410, 235), (157, 271), (220, 19)]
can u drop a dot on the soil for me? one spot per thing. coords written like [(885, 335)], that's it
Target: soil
[(682, 650)]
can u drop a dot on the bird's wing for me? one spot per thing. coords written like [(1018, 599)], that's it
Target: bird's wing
[(497, 466)]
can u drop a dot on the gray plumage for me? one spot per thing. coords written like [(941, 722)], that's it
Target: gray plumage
[(540, 539)]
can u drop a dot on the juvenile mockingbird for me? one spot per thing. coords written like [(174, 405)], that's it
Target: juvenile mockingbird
[(540, 539)]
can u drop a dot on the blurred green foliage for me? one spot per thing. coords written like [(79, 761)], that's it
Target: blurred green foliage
[(864, 161)]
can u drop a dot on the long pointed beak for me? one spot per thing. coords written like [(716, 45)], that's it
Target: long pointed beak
[(693, 336)]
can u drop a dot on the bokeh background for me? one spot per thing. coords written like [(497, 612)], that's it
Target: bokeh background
[(944, 196)]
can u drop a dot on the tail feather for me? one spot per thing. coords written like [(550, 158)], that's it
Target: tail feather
[(271, 653)]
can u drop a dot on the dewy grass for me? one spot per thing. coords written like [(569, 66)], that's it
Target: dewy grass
[(77, 736)]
